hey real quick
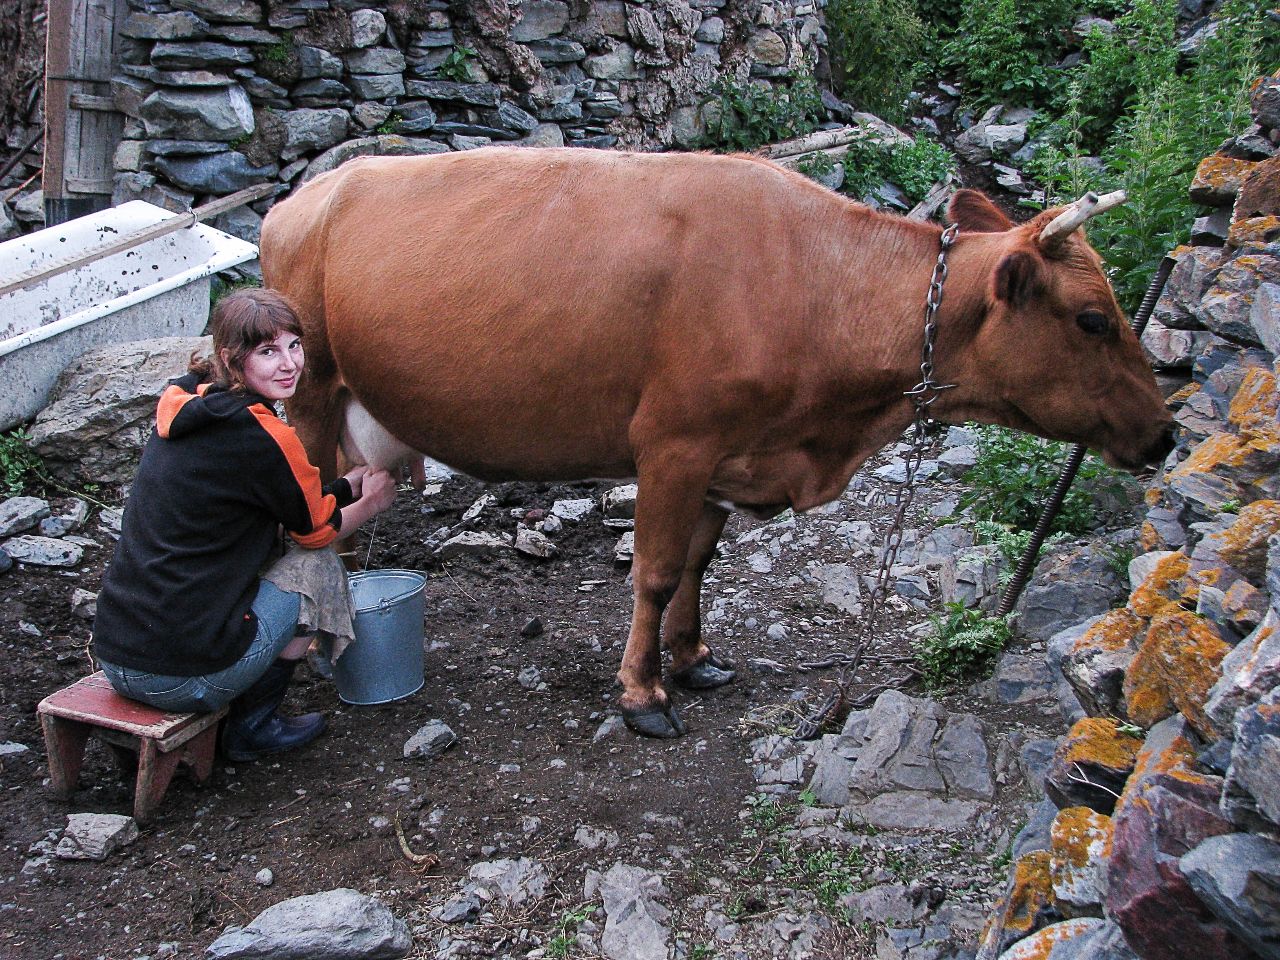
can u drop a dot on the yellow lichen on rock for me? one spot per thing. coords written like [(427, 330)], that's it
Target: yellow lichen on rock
[(1115, 630), (1078, 835), (1032, 892), (1146, 697), (1185, 651), (1165, 584), (1253, 408), (1212, 454), (1244, 543), (1257, 230), (1099, 742), (1218, 179)]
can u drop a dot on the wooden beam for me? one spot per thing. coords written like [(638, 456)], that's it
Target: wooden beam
[(57, 66), (87, 101), (89, 185)]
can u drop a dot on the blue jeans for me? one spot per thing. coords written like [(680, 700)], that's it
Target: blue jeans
[(277, 614)]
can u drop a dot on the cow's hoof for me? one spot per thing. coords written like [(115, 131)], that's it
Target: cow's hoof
[(655, 721), (711, 672), (703, 676)]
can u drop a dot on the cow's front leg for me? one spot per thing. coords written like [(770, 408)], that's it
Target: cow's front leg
[(667, 509), (694, 665)]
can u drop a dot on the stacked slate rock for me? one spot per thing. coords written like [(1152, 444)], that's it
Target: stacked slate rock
[(1164, 842), (223, 94)]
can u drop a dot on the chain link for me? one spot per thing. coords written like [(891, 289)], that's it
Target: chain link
[(922, 396)]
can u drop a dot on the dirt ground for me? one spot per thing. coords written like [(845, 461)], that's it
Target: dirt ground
[(523, 777)]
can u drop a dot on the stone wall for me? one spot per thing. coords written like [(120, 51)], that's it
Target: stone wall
[(222, 94), (1165, 802)]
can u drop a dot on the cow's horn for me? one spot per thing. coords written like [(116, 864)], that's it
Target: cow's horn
[(1070, 219)]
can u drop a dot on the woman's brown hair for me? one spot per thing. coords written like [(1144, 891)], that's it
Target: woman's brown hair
[(241, 321)]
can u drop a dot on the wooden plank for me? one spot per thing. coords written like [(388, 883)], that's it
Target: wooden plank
[(171, 225), (57, 66), (87, 185), (88, 101)]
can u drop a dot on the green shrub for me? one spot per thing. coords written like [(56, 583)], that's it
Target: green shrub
[(1015, 474), (753, 114), (878, 50), (914, 167), (19, 466), (962, 647), (1002, 48)]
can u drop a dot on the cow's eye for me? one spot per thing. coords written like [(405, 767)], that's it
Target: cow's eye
[(1093, 322)]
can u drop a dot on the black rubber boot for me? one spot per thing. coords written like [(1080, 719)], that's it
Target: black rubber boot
[(254, 729)]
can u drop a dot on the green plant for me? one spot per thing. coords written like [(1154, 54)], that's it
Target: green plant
[(1002, 48), (279, 52), (963, 644), (1173, 117), (1230, 506), (828, 874), (1131, 730), (19, 466), (456, 65), (389, 125), (700, 951), (752, 114), (1015, 473), (766, 815), (560, 945), (878, 50), (914, 166), (220, 288), (1119, 556), (816, 165)]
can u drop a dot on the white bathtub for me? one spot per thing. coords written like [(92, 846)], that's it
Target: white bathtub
[(157, 289)]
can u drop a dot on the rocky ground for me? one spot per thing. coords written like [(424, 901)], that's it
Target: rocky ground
[(521, 839)]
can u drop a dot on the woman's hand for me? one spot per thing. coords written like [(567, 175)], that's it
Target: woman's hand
[(379, 489), (356, 479)]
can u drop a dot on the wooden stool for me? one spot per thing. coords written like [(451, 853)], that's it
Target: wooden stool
[(161, 740)]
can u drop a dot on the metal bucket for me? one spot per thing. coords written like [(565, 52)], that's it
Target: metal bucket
[(384, 662)]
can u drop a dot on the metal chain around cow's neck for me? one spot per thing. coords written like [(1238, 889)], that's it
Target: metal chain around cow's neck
[(922, 396)]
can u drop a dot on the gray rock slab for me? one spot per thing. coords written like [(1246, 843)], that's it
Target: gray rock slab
[(511, 882), (472, 543), (1020, 678), (218, 173), (340, 924), (1249, 672), (886, 903), (540, 19), (94, 836), (573, 511), (840, 588), (1037, 834), (534, 544), (43, 551), (961, 754), (1254, 775), (307, 130), (20, 514), (912, 810), (223, 114), (1238, 877), (636, 925), (1061, 940), (473, 94), (431, 739), (1069, 584), (367, 27)]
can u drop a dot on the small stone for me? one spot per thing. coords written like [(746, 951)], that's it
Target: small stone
[(84, 604), (613, 724), (572, 511), (93, 836), (534, 544), (432, 739), (19, 514), (473, 544), (44, 551), (533, 628), (529, 678), (264, 877)]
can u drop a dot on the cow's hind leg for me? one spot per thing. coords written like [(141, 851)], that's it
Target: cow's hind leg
[(694, 665), (667, 510)]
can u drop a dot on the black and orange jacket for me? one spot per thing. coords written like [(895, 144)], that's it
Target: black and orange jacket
[(218, 476)]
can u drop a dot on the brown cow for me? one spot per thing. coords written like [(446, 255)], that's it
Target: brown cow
[(720, 328)]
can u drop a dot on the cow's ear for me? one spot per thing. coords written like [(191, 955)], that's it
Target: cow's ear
[(1018, 278), (974, 212)]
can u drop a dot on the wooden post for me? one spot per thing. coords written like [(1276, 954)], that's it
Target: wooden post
[(80, 135)]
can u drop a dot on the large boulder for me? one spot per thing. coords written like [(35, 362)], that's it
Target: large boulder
[(1070, 584), (104, 408), (1167, 809), (1237, 876)]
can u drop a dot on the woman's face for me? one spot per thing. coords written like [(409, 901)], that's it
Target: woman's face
[(272, 368)]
